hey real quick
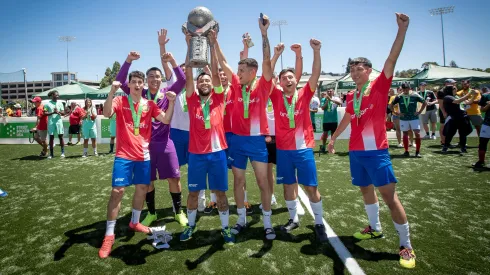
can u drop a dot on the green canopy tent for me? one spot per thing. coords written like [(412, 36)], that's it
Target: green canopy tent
[(346, 83), (102, 93), (74, 90), (437, 74)]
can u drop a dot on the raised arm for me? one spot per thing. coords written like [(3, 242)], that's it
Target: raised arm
[(189, 76), (317, 64), (244, 53), (266, 49), (402, 21), (213, 38), (278, 50), (162, 41), (123, 72), (214, 64), (298, 64), (178, 85), (108, 111)]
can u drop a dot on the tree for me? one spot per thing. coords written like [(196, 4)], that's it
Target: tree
[(110, 75), (477, 69), (425, 65), (487, 70), (347, 68), (453, 64), (407, 73)]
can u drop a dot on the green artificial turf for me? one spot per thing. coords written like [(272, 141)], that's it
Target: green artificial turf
[(53, 220)]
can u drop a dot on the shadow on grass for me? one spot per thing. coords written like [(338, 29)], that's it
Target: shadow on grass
[(479, 170), (446, 153), (340, 154), (31, 158)]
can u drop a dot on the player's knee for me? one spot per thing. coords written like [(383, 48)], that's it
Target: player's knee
[(117, 193)]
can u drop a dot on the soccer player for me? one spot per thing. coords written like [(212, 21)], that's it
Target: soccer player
[(471, 105), (89, 129), (295, 142), (329, 106), (54, 110), (314, 105), (41, 126), (396, 119), (76, 113), (163, 157), (249, 126), (207, 144), (430, 113), (370, 162), (409, 116), (485, 130), (132, 161), (112, 130)]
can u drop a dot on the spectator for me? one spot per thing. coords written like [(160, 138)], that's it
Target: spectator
[(41, 126), (89, 127), (314, 105), (9, 111), (471, 105), (18, 111), (430, 113), (76, 114)]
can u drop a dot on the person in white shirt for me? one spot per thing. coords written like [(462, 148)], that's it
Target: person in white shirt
[(314, 105)]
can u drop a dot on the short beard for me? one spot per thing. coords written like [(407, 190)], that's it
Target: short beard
[(202, 93)]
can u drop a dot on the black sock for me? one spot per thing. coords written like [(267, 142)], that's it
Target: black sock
[(177, 201), (112, 147), (433, 133), (150, 201)]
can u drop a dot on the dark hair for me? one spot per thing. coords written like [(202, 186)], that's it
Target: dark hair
[(137, 74), (220, 70), (285, 71), (201, 75), (250, 63), (50, 94), (181, 65), (153, 69), (448, 90), (361, 60)]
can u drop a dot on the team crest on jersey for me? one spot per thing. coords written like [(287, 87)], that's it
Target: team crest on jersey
[(145, 108)]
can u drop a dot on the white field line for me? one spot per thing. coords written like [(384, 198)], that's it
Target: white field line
[(334, 240)]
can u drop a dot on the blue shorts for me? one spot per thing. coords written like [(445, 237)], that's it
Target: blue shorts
[(291, 161), (128, 172), (229, 157), (211, 166), (181, 142), (248, 147), (371, 167)]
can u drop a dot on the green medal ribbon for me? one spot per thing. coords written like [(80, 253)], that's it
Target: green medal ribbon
[(246, 97), (269, 106), (329, 106), (184, 101), (290, 108), (136, 116), (358, 101), (148, 95), (406, 100), (205, 113), (425, 94), (226, 92)]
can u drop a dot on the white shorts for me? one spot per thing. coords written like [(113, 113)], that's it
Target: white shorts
[(406, 125), (485, 131)]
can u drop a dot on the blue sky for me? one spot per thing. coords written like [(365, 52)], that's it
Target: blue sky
[(107, 30)]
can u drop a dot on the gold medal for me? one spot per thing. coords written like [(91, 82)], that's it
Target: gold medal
[(137, 131)]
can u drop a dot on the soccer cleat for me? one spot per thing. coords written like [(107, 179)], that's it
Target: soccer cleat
[(110, 152), (407, 257), (444, 150), (3, 193), (368, 233), (290, 226), (229, 238), (418, 155), (85, 155), (270, 234), (426, 137), (463, 150), (187, 234), (42, 154), (69, 143), (149, 219), (238, 228), (433, 137), (209, 209), (181, 218), (106, 247), (50, 156), (62, 155), (139, 228), (96, 154), (479, 164), (249, 208), (321, 233), (201, 204), (406, 154)]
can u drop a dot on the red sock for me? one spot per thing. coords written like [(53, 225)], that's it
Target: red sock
[(481, 155), (418, 142), (405, 142)]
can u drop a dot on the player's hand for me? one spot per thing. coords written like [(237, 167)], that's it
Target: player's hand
[(296, 48), (315, 44), (188, 37), (115, 86), (268, 139), (417, 113), (402, 20), (279, 49), (207, 70), (331, 146), (167, 57), (212, 37), (265, 26), (473, 92), (245, 40), (170, 96), (34, 129), (162, 37), (133, 55)]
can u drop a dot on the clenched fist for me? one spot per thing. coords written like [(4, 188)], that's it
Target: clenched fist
[(170, 96), (279, 49), (315, 44), (133, 55), (296, 48), (402, 20), (115, 86)]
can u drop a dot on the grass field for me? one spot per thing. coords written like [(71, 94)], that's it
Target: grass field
[(53, 220)]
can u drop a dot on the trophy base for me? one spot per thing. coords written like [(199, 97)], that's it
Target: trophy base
[(198, 63)]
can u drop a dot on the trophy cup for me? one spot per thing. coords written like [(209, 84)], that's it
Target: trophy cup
[(199, 22)]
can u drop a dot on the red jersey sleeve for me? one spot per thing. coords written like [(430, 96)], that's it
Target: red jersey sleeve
[(382, 84), (117, 104), (349, 108), (308, 93)]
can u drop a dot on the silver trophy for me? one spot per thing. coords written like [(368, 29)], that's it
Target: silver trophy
[(199, 22)]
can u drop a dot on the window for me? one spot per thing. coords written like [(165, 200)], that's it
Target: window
[(72, 77), (21, 86), (20, 96), (58, 84), (58, 77), (65, 77), (5, 96), (38, 84), (29, 85), (5, 86), (46, 84), (39, 90)]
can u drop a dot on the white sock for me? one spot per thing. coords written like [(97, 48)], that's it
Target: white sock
[(202, 194), (267, 219), (85, 150), (292, 208), (372, 211), (317, 211), (224, 217), (245, 197), (242, 216), (95, 150), (109, 230), (213, 197), (404, 234), (135, 217), (191, 217)]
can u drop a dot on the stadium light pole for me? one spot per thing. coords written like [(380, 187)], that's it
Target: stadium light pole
[(25, 90), (441, 12), (280, 23), (67, 39)]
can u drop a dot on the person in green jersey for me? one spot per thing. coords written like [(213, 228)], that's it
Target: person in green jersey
[(329, 104), (485, 130), (89, 128), (54, 109)]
